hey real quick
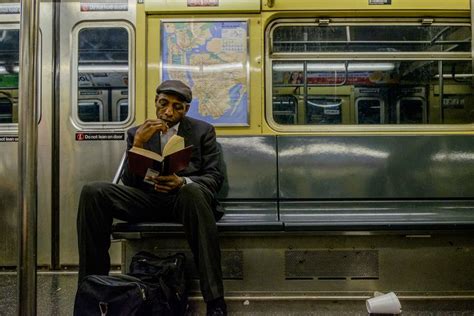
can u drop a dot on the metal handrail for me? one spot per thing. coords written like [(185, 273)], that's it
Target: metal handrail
[(118, 173)]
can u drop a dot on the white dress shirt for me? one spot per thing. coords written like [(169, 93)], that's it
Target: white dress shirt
[(166, 137)]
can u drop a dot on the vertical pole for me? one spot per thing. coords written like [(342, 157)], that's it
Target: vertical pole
[(55, 167), (27, 173)]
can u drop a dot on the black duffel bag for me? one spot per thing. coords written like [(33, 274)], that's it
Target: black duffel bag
[(118, 295), (165, 279)]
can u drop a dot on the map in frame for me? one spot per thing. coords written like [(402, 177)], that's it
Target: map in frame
[(212, 58)]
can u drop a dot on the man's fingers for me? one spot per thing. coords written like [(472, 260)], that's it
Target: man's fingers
[(148, 129), (166, 183), (162, 188), (153, 126), (155, 123), (165, 178)]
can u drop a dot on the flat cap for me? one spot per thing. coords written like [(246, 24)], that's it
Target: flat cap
[(176, 87)]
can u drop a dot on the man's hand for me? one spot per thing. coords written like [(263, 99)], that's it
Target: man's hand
[(166, 184), (147, 130)]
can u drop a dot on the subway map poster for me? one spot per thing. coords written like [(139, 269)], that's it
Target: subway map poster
[(212, 58)]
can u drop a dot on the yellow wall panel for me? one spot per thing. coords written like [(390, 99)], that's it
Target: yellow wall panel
[(188, 6), (364, 5)]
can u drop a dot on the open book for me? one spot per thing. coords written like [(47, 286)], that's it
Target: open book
[(175, 158)]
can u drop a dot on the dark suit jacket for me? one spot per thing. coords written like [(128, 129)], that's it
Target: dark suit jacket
[(204, 167)]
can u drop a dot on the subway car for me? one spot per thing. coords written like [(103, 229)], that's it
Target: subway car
[(345, 127)]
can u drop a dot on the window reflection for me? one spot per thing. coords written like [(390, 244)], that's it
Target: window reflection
[(364, 92), (6, 111), (319, 86), (91, 111), (411, 105), (324, 110), (9, 57), (371, 38), (103, 72), (122, 110), (285, 109)]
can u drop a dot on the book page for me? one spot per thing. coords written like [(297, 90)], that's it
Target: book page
[(146, 153), (174, 144)]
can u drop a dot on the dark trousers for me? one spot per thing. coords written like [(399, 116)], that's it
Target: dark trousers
[(101, 202)]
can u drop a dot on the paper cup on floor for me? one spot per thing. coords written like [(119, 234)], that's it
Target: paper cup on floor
[(384, 304)]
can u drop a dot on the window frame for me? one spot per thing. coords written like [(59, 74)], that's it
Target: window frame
[(342, 57), (13, 127), (75, 76), (424, 104), (118, 106)]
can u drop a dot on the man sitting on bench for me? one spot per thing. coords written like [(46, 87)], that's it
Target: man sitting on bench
[(188, 197)]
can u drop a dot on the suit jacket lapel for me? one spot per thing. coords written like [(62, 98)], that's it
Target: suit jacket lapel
[(184, 130)]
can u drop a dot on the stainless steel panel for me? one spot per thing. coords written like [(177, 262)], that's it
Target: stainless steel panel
[(45, 136), (338, 264), (370, 167), (86, 161), (8, 204), (254, 211), (408, 265), (384, 212), (9, 182), (231, 261), (249, 166), (9, 160)]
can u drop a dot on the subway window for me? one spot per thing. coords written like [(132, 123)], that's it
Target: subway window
[(103, 74), (360, 74), (9, 61), (6, 110), (122, 109)]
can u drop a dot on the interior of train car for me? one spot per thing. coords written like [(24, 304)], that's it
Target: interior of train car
[(346, 133)]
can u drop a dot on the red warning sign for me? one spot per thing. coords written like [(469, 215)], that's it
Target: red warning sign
[(83, 136), (79, 136)]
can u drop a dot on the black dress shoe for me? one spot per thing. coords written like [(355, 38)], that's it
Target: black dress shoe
[(217, 307), (218, 311)]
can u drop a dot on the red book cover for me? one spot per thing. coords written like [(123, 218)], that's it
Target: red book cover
[(176, 161), (138, 164), (139, 160)]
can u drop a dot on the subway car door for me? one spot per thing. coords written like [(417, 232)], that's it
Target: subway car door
[(96, 104), (9, 71)]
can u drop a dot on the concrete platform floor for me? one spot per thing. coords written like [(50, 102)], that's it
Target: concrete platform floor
[(56, 293)]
